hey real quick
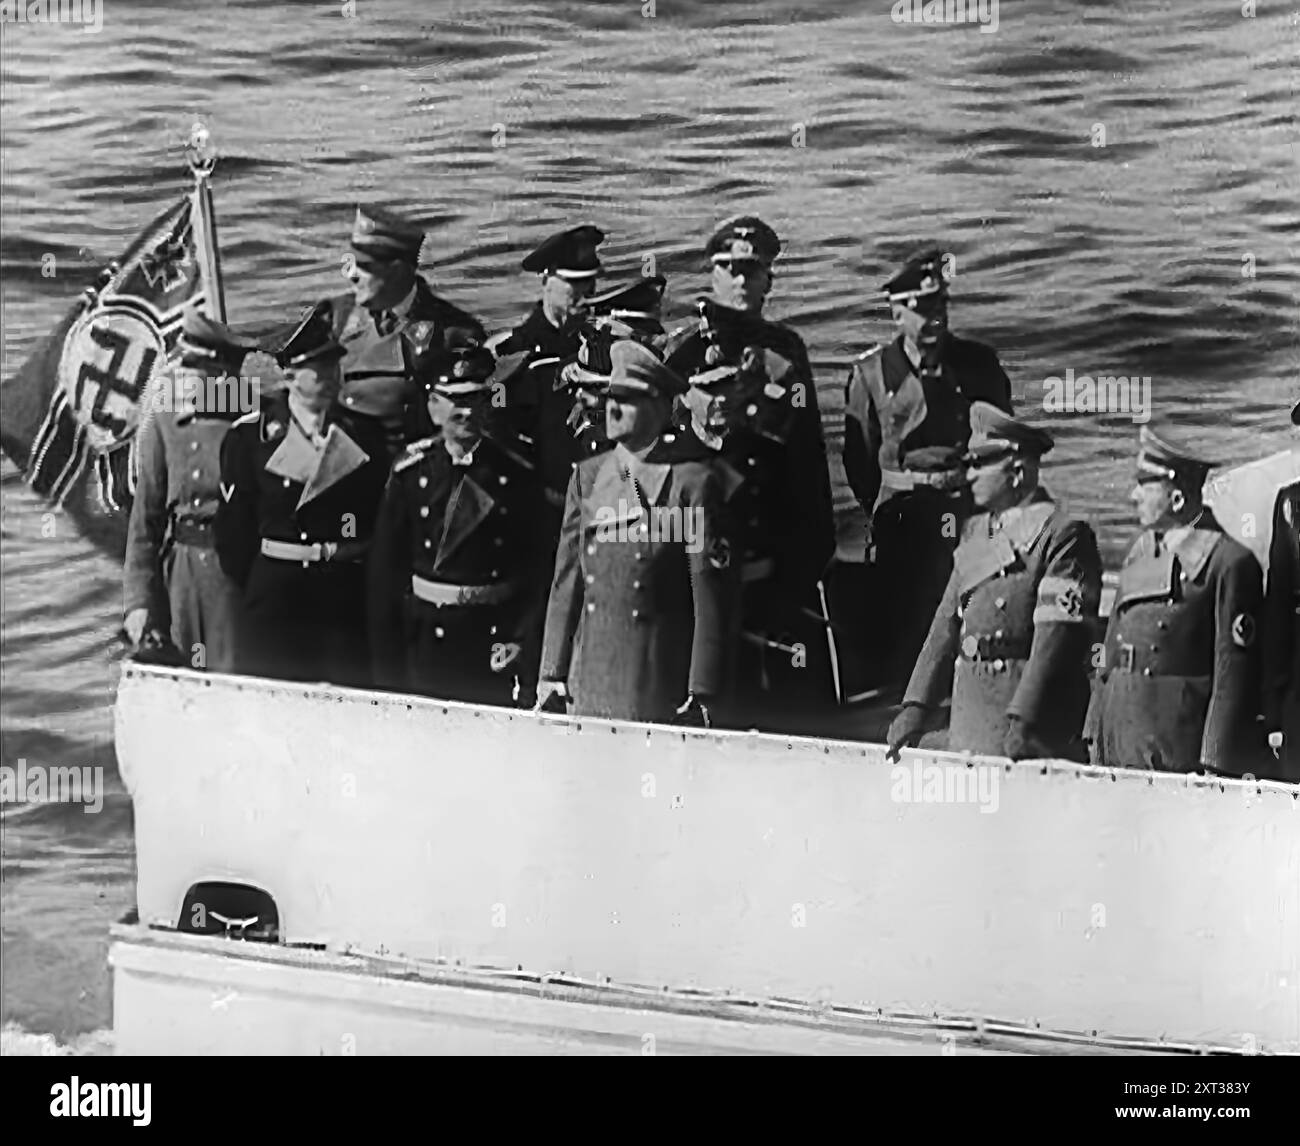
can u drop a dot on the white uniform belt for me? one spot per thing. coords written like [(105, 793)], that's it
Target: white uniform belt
[(759, 569), (444, 593), (316, 551), (911, 479)]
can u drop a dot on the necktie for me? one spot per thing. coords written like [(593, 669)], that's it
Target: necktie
[(1159, 547), (385, 321)]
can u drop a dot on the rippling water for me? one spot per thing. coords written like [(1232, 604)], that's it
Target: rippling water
[(497, 123)]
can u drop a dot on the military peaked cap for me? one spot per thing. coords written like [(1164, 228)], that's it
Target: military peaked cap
[(206, 343), (477, 372), (921, 277), (636, 370), (745, 238), (640, 299), (995, 433), (380, 235), (1160, 460), (570, 254), (311, 339)]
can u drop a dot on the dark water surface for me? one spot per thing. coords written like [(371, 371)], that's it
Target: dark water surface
[(1122, 259)]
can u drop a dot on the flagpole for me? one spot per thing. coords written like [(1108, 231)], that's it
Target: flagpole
[(201, 155)]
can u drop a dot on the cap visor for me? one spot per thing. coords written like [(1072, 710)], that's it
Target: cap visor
[(625, 389), (324, 354)]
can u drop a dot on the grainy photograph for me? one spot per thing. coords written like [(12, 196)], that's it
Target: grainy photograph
[(663, 528)]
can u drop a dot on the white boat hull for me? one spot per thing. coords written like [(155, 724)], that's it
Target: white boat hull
[(1060, 897)]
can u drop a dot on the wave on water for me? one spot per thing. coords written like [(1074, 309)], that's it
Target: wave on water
[(16, 1042)]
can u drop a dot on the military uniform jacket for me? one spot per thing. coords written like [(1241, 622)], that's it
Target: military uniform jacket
[(540, 409), (1012, 634), (383, 373), (180, 471), (781, 513), (338, 502), (773, 468), (474, 524), (636, 621), (1281, 628), (890, 411), (1178, 686), (686, 351)]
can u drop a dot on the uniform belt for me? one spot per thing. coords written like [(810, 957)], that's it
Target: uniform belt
[(1128, 660), (193, 531), (991, 648), (315, 551), (901, 480), (757, 569), (444, 593)]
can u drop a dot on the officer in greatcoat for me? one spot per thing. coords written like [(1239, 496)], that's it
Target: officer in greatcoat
[(301, 482), (766, 454), (1281, 633), (396, 333), (455, 581), (907, 424), (174, 586), (568, 266), (1177, 686), (751, 378), (640, 620), (1011, 639)]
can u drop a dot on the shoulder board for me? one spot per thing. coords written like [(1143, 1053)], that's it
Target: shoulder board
[(414, 452), (247, 419), (874, 348)]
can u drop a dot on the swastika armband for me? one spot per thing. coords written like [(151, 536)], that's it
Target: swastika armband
[(1060, 599)]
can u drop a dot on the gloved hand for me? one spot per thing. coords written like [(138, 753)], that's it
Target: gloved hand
[(1276, 741), (906, 730), (1020, 743), (134, 625), (156, 648), (694, 713), (551, 695)]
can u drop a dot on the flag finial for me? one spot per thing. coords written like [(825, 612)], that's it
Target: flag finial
[(200, 151)]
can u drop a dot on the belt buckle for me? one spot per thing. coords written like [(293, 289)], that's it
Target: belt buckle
[(1126, 657)]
